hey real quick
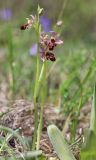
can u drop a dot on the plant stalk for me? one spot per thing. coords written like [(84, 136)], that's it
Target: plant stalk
[(35, 103), (41, 78), (36, 86)]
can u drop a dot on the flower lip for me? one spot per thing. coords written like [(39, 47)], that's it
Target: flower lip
[(51, 46), (23, 27), (52, 39), (50, 56)]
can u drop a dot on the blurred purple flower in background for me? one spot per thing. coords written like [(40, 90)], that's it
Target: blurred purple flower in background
[(33, 50), (5, 14), (46, 23)]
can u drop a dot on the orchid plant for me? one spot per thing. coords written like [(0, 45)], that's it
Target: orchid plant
[(46, 43)]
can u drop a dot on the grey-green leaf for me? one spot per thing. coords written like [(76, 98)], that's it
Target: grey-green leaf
[(59, 143), (93, 113)]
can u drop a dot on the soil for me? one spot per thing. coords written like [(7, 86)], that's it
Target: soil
[(20, 115)]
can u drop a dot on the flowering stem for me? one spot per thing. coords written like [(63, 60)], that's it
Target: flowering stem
[(41, 78), (36, 88), (35, 105)]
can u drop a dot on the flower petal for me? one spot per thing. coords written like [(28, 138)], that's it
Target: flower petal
[(59, 41)]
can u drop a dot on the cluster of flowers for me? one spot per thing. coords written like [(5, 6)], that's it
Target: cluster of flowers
[(47, 43)]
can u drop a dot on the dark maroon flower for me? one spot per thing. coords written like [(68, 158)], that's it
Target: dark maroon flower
[(51, 46), (50, 56), (52, 40), (23, 27)]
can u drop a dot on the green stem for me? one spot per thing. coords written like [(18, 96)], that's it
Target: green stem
[(35, 105), (36, 88), (42, 77)]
